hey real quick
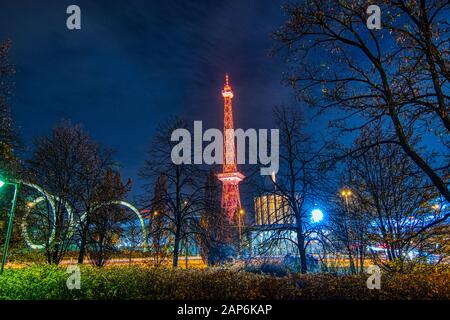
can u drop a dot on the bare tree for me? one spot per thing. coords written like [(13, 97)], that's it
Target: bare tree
[(214, 232), (398, 74), (57, 165), (91, 178), (108, 221), (8, 136), (348, 224), (160, 237), (132, 237), (297, 185), (391, 197), (10, 165), (184, 193)]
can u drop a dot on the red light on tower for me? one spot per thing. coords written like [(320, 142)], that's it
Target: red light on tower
[(230, 176)]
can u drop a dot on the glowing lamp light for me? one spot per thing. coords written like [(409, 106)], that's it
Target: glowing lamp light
[(316, 215), (2, 183), (346, 193)]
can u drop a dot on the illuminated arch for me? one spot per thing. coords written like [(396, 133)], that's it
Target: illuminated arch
[(52, 199), (132, 208), (24, 224)]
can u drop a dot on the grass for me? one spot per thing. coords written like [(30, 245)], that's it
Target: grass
[(140, 282)]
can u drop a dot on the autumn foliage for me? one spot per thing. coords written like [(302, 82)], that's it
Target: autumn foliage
[(49, 282)]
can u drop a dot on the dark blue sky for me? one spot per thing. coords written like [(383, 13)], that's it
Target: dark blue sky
[(136, 62)]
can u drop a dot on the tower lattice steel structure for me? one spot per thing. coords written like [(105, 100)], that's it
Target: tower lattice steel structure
[(230, 176)]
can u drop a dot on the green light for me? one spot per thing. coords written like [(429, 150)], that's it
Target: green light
[(10, 223), (2, 183)]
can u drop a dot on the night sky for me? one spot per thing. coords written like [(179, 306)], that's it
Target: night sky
[(136, 62)]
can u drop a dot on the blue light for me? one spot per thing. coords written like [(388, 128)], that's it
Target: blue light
[(316, 215)]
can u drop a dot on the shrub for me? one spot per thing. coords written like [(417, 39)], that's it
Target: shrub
[(272, 269), (140, 282)]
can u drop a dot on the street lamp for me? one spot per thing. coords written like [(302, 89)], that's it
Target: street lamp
[(241, 212), (346, 193), (10, 220), (436, 207), (316, 215)]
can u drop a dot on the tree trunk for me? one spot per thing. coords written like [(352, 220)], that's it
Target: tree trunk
[(186, 256), (176, 248), (352, 263), (304, 267), (362, 257), (83, 242), (302, 250)]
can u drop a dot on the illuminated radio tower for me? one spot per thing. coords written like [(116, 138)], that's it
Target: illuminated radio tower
[(230, 177)]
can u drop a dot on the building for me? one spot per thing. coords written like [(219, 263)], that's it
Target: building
[(270, 235), (272, 209)]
